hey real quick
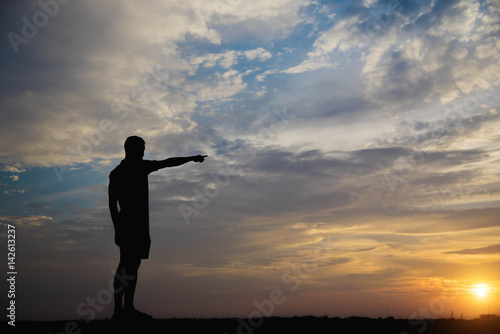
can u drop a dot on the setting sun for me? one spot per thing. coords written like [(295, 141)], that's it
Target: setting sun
[(481, 290)]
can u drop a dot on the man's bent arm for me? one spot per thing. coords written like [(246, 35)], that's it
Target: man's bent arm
[(113, 209), (173, 162)]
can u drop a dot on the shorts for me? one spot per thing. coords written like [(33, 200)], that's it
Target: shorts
[(133, 243), (133, 252)]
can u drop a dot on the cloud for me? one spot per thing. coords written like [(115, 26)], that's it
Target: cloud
[(495, 249), (225, 60), (53, 121), (240, 20), (116, 79), (260, 53), (13, 168), (440, 61), (25, 221), (339, 37), (450, 128), (279, 183), (362, 25), (13, 191), (228, 59), (433, 56)]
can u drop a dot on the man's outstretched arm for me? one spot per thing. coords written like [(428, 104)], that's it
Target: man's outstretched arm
[(172, 162)]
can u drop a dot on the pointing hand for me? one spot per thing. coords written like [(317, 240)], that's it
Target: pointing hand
[(199, 158)]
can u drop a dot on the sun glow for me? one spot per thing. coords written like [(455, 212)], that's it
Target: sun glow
[(481, 290)]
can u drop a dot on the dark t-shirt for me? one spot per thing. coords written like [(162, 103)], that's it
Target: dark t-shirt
[(128, 183)]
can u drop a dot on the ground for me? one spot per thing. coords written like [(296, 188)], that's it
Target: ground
[(309, 325)]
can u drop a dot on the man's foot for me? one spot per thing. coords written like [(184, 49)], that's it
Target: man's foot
[(117, 316)]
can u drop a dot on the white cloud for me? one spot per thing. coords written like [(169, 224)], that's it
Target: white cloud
[(368, 3), (261, 77), (225, 59), (222, 87), (312, 64), (111, 49), (489, 49), (340, 37), (259, 53), (401, 70), (262, 91), (489, 22), (461, 24), (14, 168), (265, 19), (401, 67), (228, 58)]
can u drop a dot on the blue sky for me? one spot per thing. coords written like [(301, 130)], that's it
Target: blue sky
[(360, 138)]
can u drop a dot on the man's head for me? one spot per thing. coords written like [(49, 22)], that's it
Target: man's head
[(134, 147)]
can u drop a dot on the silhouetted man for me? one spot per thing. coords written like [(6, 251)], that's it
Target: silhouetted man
[(128, 204)]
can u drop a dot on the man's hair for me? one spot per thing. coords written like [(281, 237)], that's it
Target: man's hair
[(133, 144)]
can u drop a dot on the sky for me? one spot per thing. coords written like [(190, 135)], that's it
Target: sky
[(353, 155)]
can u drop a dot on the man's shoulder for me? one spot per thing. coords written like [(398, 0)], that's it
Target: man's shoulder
[(139, 166), (151, 166), (117, 170)]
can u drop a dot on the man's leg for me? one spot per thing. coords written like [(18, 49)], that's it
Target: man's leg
[(125, 281), (119, 287), (131, 269)]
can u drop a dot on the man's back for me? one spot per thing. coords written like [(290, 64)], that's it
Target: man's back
[(128, 184)]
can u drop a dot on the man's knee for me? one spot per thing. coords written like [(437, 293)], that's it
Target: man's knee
[(132, 265)]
